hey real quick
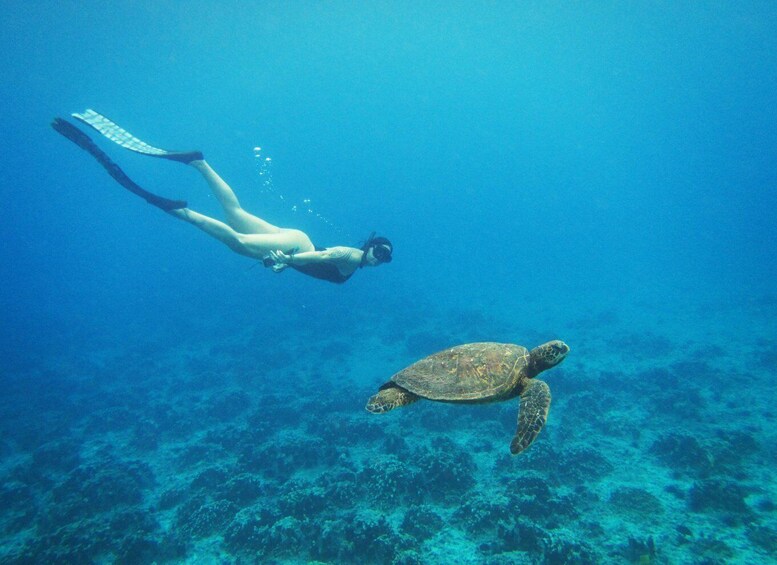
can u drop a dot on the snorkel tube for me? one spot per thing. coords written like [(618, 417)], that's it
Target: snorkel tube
[(365, 248)]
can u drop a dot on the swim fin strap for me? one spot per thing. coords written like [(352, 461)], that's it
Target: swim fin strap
[(84, 142)]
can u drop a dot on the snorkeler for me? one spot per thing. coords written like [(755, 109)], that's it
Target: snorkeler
[(244, 233)]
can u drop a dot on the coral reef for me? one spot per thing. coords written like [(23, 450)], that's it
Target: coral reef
[(251, 456), (715, 495), (391, 481), (683, 454), (200, 518), (637, 503), (421, 522)]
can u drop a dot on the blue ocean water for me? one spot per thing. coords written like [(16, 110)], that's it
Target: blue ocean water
[(601, 173)]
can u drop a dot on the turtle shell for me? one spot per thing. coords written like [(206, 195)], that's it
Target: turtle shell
[(473, 372)]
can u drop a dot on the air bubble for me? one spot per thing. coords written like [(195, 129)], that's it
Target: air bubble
[(264, 165)]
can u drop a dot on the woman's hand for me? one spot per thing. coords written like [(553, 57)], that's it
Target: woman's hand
[(280, 260), (280, 257)]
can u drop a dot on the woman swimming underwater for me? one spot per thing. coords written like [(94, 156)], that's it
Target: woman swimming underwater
[(244, 233)]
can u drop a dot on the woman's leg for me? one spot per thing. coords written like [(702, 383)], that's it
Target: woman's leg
[(213, 228), (237, 218), (252, 245)]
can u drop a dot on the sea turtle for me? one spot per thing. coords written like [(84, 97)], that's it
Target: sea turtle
[(477, 373)]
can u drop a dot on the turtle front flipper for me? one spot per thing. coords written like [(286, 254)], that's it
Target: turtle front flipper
[(532, 413), (389, 397)]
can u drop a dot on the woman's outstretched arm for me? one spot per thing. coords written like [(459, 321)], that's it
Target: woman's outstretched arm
[(338, 254)]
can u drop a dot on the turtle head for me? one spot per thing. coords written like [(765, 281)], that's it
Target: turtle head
[(547, 355)]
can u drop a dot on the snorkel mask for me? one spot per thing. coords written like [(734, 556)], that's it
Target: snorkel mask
[(381, 248), (382, 253)]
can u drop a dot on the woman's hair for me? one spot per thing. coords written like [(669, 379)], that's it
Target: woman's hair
[(381, 241)]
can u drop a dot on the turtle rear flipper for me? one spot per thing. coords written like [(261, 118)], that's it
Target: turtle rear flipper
[(390, 396), (532, 413)]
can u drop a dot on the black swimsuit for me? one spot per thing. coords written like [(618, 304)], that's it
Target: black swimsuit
[(324, 271)]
